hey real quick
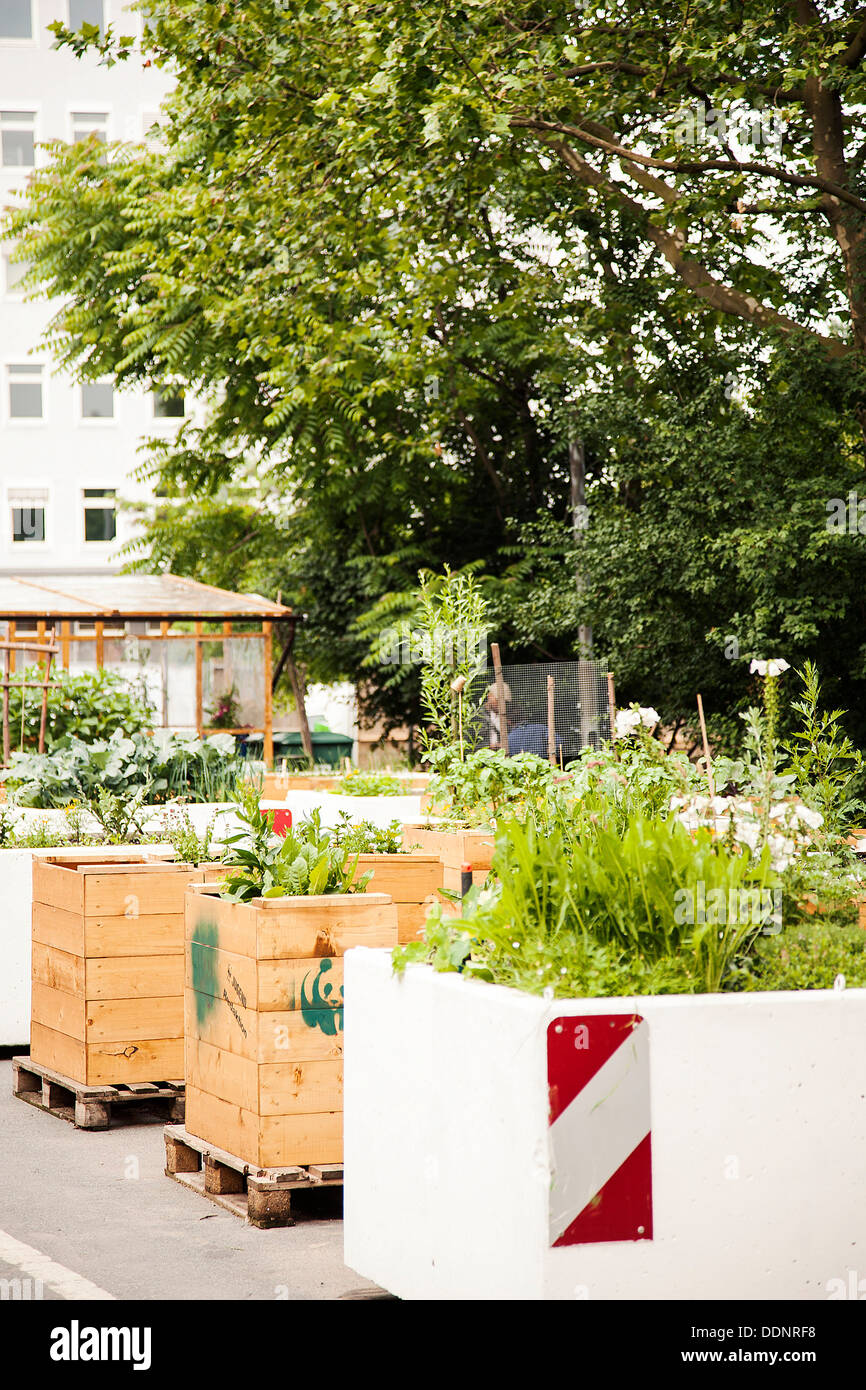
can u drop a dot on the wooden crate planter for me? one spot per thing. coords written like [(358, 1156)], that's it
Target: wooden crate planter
[(412, 880), (264, 1020), (454, 849), (107, 969)]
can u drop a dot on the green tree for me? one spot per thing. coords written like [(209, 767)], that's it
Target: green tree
[(405, 253)]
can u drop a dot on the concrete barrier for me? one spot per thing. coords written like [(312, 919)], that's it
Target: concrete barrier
[(757, 1107)]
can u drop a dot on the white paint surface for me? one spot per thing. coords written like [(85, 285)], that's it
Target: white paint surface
[(758, 1107), (56, 1277), (381, 810)]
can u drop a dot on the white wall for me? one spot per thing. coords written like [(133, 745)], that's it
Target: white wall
[(758, 1143), (62, 452)]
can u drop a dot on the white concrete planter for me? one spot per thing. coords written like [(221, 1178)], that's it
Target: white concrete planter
[(757, 1109), (380, 810)]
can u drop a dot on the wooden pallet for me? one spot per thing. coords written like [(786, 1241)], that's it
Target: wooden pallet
[(264, 1197), (91, 1107)]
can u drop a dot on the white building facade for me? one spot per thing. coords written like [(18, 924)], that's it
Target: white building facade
[(68, 451)]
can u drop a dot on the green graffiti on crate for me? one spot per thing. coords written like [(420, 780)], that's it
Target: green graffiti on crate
[(205, 940), (318, 1009)]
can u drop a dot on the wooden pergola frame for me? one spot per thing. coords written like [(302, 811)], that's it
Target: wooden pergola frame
[(215, 608)]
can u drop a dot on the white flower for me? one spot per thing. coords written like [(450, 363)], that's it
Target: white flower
[(769, 668), (649, 716), (627, 721), (748, 833), (813, 819)]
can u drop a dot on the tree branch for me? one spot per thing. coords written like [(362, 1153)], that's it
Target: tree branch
[(674, 248)]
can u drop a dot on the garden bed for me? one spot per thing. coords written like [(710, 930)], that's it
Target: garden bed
[(753, 1103)]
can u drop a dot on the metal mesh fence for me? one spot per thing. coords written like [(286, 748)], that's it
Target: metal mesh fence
[(576, 706)]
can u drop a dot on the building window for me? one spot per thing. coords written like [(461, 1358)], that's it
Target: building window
[(87, 123), (16, 19), (100, 514), (86, 12), (25, 392), (28, 514), (17, 139), (97, 400), (168, 403), (13, 274)]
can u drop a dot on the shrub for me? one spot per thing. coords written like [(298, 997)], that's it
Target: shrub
[(91, 705), (165, 766)]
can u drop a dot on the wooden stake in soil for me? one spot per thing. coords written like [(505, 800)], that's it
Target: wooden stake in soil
[(611, 705), (500, 697), (457, 686), (707, 759), (551, 721)]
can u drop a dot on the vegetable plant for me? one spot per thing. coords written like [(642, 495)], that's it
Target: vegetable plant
[(305, 862), (652, 910)]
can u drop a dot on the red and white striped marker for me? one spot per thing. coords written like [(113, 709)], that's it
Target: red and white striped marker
[(600, 1141)]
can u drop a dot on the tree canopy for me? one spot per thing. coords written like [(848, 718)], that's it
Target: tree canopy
[(406, 254)]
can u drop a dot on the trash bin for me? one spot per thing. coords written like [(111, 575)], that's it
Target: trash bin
[(328, 747)]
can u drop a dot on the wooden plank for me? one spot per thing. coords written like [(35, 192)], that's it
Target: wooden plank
[(410, 920), (326, 930), (227, 1027), (454, 847), (233, 1078), (265, 984), (135, 1020), (146, 888), (63, 1013), (314, 1138), (58, 1051), (300, 1088), (211, 971), (228, 1126), (408, 878), (64, 931), (134, 1059), (292, 928), (282, 1139), (57, 887), (134, 977), (158, 935), (279, 1036), (60, 970)]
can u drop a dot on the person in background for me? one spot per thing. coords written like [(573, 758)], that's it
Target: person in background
[(524, 736), (491, 721)]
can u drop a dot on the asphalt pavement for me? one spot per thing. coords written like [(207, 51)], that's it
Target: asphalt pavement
[(91, 1214)]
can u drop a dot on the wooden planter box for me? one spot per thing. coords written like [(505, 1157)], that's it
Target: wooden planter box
[(454, 849), (264, 1020), (107, 968), (412, 880)]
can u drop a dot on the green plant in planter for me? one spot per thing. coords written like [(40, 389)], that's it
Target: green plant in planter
[(824, 761), (191, 848), (306, 862), (357, 783), (120, 817), (631, 776), (169, 766), (366, 838), (480, 788), (652, 910), (452, 623)]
